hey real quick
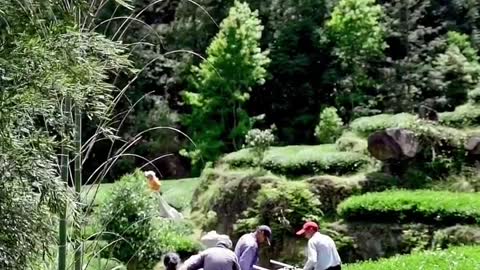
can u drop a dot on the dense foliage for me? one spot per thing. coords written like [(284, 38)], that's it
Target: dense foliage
[(356, 30), (420, 206), (285, 206), (47, 59), (130, 221), (222, 84)]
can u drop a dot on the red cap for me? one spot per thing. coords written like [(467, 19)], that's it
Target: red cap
[(308, 226)]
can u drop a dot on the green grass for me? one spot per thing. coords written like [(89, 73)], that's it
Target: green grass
[(298, 160), (424, 206), (458, 258), (178, 193)]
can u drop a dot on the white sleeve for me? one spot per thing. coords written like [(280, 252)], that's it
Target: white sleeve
[(311, 256)]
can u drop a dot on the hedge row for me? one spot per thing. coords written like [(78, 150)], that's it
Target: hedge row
[(463, 116), (458, 258), (428, 132), (302, 160), (424, 206), (366, 125)]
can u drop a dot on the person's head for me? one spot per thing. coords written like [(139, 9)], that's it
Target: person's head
[(225, 243), (308, 230), (171, 261), (263, 234), (150, 175)]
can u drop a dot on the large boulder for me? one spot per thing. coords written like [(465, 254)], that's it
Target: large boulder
[(393, 144)]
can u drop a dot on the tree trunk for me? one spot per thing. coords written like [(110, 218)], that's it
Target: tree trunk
[(78, 185), (62, 244)]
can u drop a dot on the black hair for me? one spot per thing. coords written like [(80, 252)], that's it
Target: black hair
[(171, 260)]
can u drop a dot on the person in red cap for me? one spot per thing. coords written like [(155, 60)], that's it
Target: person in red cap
[(321, 251)]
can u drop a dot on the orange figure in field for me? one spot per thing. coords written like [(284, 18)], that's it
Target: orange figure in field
[(153, 182)]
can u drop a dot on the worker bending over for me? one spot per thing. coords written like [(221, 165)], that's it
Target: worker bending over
[(322, 252), (215, 258), (247, 247)]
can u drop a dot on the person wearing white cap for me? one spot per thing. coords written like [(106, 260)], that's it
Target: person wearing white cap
[(215, 258)]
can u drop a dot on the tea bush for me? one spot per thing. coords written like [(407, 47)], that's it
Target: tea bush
[(458, 258), (312, 160), (350, 142), (463, 116), (424, 206), (130, 218), (297, 160), (366, 125)]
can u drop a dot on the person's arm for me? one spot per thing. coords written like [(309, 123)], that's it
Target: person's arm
[(195, 262), (246, 258), (311, 256)]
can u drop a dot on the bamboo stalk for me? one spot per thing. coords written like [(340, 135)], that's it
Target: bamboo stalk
[(78, 185), (62, 244)]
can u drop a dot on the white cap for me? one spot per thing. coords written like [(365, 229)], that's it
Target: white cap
[(150, 174)]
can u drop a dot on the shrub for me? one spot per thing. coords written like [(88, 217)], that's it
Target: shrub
[(458, 235), (130, 216), (436, 207), (299, 160), (332, 190), (431, 134), (458, 258), (366, 125), (259, 141), (282, 205), (223, 195), (474, 95), (330, 126), (314, 160), (350, 142), (463, 116), (242, 158)]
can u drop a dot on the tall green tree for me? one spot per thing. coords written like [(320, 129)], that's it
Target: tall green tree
[(222, 83), (357, 32), (454, 72)]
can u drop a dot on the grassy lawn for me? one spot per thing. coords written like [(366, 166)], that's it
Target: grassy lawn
[(458, 258), (177, 193)]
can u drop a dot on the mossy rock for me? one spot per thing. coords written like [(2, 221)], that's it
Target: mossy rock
[(332, 190), (457, 235), (223, 195), (379, 240)]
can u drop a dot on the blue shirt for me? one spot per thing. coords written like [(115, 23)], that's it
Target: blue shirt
[(247, 251)]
